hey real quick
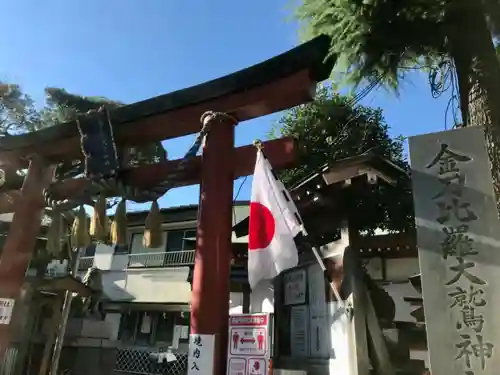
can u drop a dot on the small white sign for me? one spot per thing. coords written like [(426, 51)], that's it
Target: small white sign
[(6, 308), (316, 287), (237, 366), (201, 354), (295, 287), (257, 366), (299, 331), (319, 345), (318, 313)]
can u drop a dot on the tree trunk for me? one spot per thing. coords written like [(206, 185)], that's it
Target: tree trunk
[(474, 54)]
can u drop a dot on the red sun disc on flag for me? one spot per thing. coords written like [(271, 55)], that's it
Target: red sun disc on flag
[(261, 228)]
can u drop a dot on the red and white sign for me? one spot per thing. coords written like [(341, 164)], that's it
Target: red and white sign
[(249, 320), (248, 341), (237, 366), (248, 349), (257, 366)]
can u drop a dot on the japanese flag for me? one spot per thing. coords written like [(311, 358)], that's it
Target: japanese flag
[(274, 222)]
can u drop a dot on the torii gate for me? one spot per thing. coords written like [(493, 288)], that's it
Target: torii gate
[(279, 83)]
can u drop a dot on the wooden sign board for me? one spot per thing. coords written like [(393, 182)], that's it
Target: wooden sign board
[(458, 237)]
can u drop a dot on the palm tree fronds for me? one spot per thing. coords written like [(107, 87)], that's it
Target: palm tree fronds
[(373, 38)]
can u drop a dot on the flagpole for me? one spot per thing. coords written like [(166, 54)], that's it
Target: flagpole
[(347, 309), (324, 269)]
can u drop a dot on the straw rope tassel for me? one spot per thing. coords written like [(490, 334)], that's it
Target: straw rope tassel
[(119, 225), (152, 228), (99, 221), (79, 232), (55, 235)]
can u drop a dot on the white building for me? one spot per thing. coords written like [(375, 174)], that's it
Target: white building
[(147, 291)]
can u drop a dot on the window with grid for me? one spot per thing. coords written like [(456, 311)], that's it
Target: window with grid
[(181, 240)]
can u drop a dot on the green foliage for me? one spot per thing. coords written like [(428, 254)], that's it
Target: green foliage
[(17, 111), (18, 114), (378, 39), (331, 128), (63, 106)]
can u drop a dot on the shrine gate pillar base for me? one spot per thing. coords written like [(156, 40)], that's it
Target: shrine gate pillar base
[(21, 238), (210, 291)]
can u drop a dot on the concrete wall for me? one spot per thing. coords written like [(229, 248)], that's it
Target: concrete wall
[(147, 285), (159, 285)]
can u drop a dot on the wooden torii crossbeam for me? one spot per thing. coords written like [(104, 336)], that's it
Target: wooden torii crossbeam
[(279, 83), (279, 151)]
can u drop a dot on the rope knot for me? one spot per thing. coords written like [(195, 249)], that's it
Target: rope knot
[(258, 144)]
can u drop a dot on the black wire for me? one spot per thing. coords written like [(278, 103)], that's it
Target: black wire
[(443, 78), (352, 103)]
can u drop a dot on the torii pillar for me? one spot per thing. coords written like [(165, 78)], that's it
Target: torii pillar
[(21, 239), (210, 291), (210, 288)]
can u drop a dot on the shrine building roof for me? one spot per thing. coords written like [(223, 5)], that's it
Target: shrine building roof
[(368, 168)]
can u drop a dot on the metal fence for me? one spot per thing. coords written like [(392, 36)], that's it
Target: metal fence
[(85, 263), (169, 258), (137, 361), (143, 260)]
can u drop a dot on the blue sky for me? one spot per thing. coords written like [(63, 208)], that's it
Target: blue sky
[(131, 50)]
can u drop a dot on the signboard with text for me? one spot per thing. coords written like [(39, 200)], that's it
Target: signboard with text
[(201, 354), (458, 239), (319, 342), (299, 331), (6, 308), (295, 287), (248, 349)]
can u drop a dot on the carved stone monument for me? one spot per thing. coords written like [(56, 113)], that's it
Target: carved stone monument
[(458, 236)]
